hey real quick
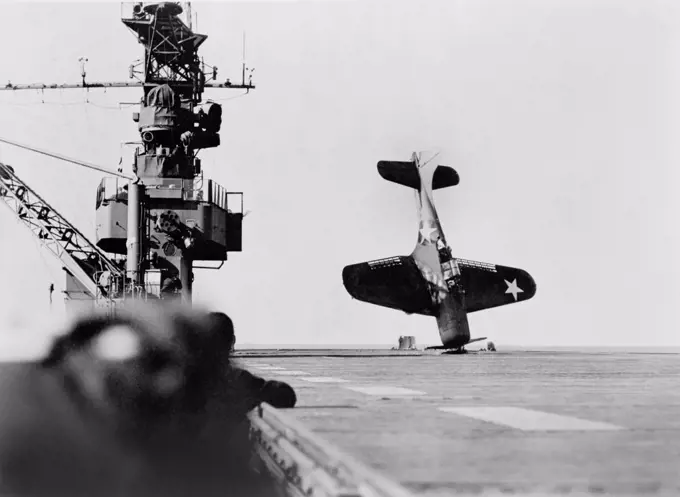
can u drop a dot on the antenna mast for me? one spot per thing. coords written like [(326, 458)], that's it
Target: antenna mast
[(170, 55)]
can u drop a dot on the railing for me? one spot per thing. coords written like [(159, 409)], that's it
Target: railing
[(214, 193), (113, 189), (305, 464), (127, 10), (218, 195), (152, 285)]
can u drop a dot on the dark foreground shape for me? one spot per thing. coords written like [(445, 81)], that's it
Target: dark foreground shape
[(276, 393), (224, 322), (147, 403)]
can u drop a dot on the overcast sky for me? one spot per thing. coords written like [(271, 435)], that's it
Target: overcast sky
[(561, 118)]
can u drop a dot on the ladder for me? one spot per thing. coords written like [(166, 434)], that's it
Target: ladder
[(102, 278)]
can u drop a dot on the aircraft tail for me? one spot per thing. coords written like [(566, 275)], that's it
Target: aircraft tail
[(406, 174)]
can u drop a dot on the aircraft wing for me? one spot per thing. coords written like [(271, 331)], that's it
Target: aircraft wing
[(491, 285), (394, 282)]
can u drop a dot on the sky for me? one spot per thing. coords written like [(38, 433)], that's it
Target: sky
[(561, 118)]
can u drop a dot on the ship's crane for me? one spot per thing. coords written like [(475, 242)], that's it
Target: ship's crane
[(100, 277)]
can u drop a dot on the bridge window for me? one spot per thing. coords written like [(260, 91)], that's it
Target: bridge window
[(111, 189)]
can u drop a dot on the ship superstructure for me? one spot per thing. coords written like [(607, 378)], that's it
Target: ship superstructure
[(152, 225)]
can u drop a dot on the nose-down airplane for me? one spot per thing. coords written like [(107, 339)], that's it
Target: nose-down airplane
[(431, 281)]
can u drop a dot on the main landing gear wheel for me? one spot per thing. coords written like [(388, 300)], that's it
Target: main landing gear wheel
[(455, 351)]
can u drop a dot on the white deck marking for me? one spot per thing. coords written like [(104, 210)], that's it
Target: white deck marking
[(529, 420), (386, 390), (290, 373), (267, 368), (324, 379)]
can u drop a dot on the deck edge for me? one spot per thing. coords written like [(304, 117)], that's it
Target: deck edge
[(305, 464)]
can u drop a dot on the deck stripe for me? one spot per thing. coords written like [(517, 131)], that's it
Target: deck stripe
[(529, 420), (385, 390), (324, 379), (290, 373), (267, 368)]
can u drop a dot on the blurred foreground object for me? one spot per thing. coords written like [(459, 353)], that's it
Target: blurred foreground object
[(144, 403)]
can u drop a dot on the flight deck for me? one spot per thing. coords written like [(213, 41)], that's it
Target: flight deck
[(540, 423)]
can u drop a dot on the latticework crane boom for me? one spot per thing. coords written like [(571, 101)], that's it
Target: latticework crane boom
[(99, 275)]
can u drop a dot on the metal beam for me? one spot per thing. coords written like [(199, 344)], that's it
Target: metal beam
[(65, 158), (51, 229), (65, 86), (136, 84)]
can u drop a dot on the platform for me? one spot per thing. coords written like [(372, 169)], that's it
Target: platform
[(537, 423)]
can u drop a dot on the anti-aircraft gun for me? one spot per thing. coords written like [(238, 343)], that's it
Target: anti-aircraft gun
[(168, 216)]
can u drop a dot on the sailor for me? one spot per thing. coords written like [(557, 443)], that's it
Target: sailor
[(276, 393), (226, 326)]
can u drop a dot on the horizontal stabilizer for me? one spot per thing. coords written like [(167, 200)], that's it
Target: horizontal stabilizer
[(406, 174)]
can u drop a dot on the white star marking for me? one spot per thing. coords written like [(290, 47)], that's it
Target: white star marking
[(426, 233), (513, 288)]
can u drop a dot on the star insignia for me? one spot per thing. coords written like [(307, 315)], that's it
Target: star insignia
[(426, 233), (513, 288)]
